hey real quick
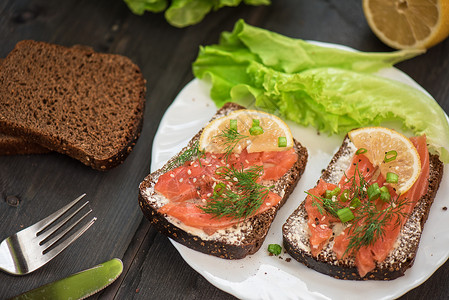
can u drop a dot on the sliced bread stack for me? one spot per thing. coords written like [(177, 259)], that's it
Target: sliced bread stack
[(10, 145), (73, 100)]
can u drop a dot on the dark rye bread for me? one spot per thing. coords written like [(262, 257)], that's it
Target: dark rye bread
[(296, 236), (233, 243), (72, 100), (10, 145)]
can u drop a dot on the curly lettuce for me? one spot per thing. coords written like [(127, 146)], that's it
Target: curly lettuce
[(183, 13), (331, 89)]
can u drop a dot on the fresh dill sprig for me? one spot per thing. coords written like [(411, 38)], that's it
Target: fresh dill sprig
[(230, 137), (238, 195), (357, 184), (188, 155), (369, 224), (325, 205)]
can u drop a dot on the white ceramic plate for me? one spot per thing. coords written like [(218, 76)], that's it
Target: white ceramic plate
[(261, 276)]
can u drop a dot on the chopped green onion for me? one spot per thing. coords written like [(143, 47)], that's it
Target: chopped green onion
[(361, 151), (218, 187), (345, 214), (390, 156), (385, 194), (274, 249), (233, 124), (336, 191), (329, 194), (256, 129), (392, 177), (344, 197), (282, 141), (373, 191), (355, 203)]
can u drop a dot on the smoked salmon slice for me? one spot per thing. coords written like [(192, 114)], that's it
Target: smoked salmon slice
[(191, 186)]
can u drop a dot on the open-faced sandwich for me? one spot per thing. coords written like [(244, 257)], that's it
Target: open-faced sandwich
[(364, 218), (220, 194)]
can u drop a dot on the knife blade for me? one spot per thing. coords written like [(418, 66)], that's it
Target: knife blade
[(79, 285)]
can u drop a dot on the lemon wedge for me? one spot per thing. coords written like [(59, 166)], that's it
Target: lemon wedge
[(405, 24)]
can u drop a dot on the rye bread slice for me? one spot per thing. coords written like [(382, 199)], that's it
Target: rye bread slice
[(73, 100), (296, 234), (232, 243), (10, 145)]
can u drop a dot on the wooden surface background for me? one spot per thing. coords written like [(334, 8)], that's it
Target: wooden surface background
[(153, 268)]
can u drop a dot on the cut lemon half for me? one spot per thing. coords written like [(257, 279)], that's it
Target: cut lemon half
[(256, 131), (391, 152), (405, 24)]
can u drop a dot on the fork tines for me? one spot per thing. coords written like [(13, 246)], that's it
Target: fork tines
[(50, 231)]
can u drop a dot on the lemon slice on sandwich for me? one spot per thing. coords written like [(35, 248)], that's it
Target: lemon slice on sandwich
[(392, 152), (254, 130)]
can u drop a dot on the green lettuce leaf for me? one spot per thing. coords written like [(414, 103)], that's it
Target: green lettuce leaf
[(182, 13), (138, 7), (331, 89)]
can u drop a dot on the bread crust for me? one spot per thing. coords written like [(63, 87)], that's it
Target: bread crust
[(257, 227), (398, 260)]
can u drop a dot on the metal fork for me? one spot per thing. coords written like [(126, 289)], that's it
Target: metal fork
[(31, 248)]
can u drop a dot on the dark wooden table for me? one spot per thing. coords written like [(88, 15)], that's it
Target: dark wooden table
[(153, 268)]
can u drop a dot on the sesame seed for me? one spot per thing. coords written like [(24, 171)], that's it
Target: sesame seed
[(172, 175), (181, 179), (194, 179), (189, 172), (235, 179), (323, 226), (246, 161), (209, 194), (323, 217), (313, 225)]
